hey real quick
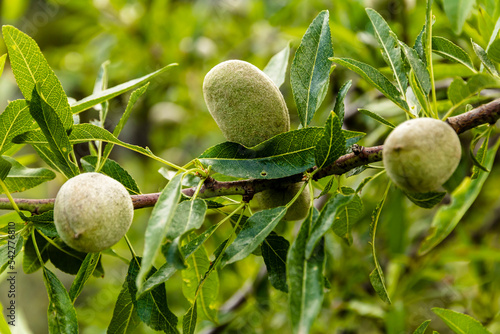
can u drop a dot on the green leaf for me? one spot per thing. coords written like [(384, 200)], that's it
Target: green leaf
[(15, 119), (457, 12), (276, 68), (61, 313), (152, 307), (331, 145), (189, 320), (4, 327), (339, 107), (31, 68), (481, 153), (112, 169), (168, 269), (421, 329), (9, 252), (189, 215), (5, 167), (109, 93), (448, 216), (125, 319), (377, 276), (347, 215), (460, 323), (86, 269), (376, 78), (305, 279), (283, 155), (198, 264), (421, 97), (459, 91), (3, 58), (136, 94), (83, 133), (426, 200), (352, 137), (256, 229), (449, 50), (494, 51), (64, 257), (418, 67), (483, 56), (310, 68), (376, 117), (31, 263), (391, 50), (274, 251), (21, 178), (326, 219), (54, 132), (158, 224)]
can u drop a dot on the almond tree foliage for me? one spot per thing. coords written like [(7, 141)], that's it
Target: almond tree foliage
[(225, 177)]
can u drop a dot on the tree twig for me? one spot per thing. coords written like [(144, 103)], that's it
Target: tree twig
[(485, 114)]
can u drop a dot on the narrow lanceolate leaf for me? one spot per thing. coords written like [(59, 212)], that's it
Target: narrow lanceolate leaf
[(61, 313), (326, 219), (331, 145), (449, 50), (198, 265), (347, 215), (3, 58), (494, 51), (15, 119), (189, 215), (189, 320), (82, 133), (339, 107), (109, 93), (5, 167), (483, 56), (283, 155), (305, 280), (457, 12), (418, 67), (112, 169), (448, 216), (423, 326), (125, 318), (377, 276), (30, 67), (21, 178), (253, 233), (136, 94), (376, 117), (86, 269), (276, 68), (391, 51), (158, 223), (54, 132), (374, 77), (152, 307), (274, 251), (310, 68), (460, 323)]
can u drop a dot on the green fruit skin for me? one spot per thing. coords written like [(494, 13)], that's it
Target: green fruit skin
[(92, 212), (245, 103), (421, 154), (272, 198)]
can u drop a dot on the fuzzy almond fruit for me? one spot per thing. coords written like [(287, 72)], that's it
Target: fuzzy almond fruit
[(272, 198), (92, 212), (245, 103), (421, 154)]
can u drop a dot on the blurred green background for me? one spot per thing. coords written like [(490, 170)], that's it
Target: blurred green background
[(138, 37)]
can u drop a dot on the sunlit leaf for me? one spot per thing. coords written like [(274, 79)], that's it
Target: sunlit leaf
[(483, 56), (30, 68), (331, 145), (460, 323), (15, 119), (283, 155), (376, 117), (276, 68), (21, 178), (457, 12), (310, 68), (87, 268), (449, 50)]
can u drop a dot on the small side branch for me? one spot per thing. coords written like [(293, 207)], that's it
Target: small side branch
[(485, 114)]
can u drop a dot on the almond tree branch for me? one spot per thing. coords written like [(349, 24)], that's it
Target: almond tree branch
[(485, 114)]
